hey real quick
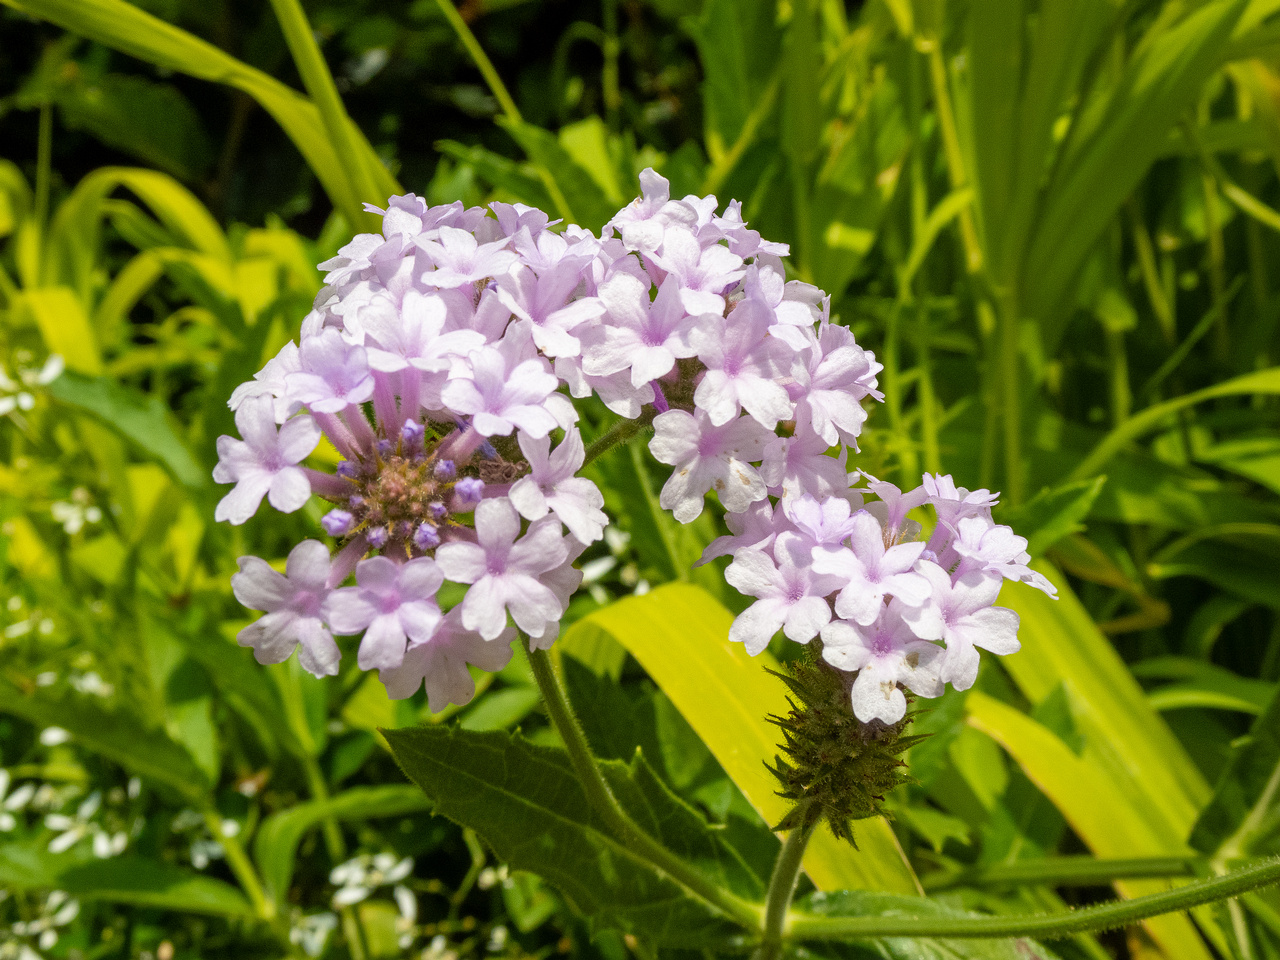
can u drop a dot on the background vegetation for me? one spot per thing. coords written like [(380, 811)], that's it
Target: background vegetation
[(1054, 222)]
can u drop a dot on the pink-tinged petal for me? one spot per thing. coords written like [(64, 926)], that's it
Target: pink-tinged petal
[(259, 587), (577, 502), (717, 394), (347, 612), (901, 557), (489, 425), (533, 605), (911, 588), (419, 619), (754, 574), (741, 488), (298, 438), (317, 653), (756, 625), (682, 495), (378, 576), (462, 562), (272, 637), (484, 608), (420, 578), (867, 538), (836, 561), (806, 618), (766, 401), (308, 565), (960, 666), (675, 436), (528, 498), (497, 524), (542, 549), (857, 602), (535, 421), (383, 644), (290, 490), (461, 395), (243, 500)]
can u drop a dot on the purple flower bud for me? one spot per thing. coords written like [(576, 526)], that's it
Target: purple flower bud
[(426, 537), (350, 469), (337, 523), (385, 448), (445, 470), (469, 489), (488, 451), (437, 510), (659, 398), (377, 537), (412, 434), (355, 501)]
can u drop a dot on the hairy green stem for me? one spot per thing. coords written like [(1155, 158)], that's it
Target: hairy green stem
[(1063, 871), (600, 795), (782, 886), (1045, 926), (624, 431)]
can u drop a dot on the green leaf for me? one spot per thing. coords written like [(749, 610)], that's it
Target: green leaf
[(1053, 514), (116, 735), (858, 903), (680, 635), (126, 28), (1111, 820), (64, 325), (276, 844), (142, 419), (527, 803), (146, 883), (1233, 821), (584, 202)]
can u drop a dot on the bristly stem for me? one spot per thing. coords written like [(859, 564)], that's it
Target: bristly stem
[(1045, 925), (782, 886), (621, 432), (600, 795)]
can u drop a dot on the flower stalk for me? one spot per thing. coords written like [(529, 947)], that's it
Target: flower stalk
[(782, 886)]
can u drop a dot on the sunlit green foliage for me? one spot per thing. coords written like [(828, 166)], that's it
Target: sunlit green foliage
[(1054, 222)]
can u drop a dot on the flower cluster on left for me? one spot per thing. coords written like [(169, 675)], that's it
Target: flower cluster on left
[(426, 364)]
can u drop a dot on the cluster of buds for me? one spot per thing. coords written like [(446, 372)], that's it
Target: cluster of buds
[(441, 360)]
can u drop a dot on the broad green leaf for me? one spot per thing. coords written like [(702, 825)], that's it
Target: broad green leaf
[(680, 635), (63, 323), (1240, 568), (276, 845), (858, 903), (580, 199), (1111, 820), (116, 735), (1237, 817), (142, 419), (527, 803), (739, 44), (146, 883), (587, 142), (1123, 734), (124, 27)]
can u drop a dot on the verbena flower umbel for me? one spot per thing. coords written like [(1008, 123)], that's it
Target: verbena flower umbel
[(441, 361)]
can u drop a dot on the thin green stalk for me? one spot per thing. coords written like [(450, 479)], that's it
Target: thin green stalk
[(336, 847), (624, 431), (500, 93), (1010, 372), (1121, 394), (241, 866), (1063, 872), (894, 388), (782, 886), (600, 796), (1045, 926), (44, 173), (951, 148), (724, 164), (1151, 274), (928, 401), (609, 74), (324, 93)]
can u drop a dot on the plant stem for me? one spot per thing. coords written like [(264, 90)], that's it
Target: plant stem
[(621, 432), (1063, 871), (241, 866), (1010, 367), (782, 885), (951, 148), (1046, 926), (44, 169), (319, 83), (600, 795)]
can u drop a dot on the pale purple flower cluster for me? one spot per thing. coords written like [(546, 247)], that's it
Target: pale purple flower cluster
[(427, 364), (440, 361), (899, 611)]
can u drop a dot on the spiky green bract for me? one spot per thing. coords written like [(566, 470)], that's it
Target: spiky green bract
[(836, 767)]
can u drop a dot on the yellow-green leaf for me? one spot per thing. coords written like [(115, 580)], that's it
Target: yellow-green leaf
[(680, 635), (63, 323)]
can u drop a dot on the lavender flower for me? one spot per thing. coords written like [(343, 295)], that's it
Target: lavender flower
[(265, 462), (293, 609)]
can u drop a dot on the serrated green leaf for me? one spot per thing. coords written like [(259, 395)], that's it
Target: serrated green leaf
[(680, 635), (527, 803)]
